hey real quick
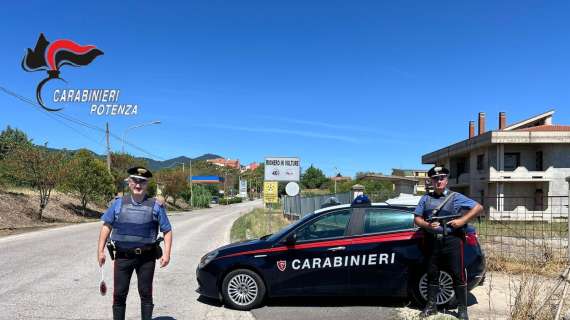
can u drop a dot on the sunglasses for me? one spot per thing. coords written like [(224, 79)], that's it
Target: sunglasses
[(439, 178), (139, 181)]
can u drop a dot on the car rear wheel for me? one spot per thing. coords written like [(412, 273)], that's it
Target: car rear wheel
[(445, 296), (243, 289)]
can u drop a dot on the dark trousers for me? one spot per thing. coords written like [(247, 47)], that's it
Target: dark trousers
[(445, 254), (123, 270)]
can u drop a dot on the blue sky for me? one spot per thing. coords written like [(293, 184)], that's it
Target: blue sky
[(360, 85)]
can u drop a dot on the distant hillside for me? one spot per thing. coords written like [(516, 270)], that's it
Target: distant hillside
[(154, 165)]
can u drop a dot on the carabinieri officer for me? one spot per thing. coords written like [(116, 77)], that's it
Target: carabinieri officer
[(133, 222), (445, 251)]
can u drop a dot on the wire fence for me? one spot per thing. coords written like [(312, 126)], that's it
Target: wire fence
[(525, 228)]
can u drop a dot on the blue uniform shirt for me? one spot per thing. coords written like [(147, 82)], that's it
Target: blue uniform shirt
[(459, 203), (163, 222)]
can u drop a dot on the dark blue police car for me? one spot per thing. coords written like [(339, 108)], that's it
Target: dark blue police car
[(370, 249)]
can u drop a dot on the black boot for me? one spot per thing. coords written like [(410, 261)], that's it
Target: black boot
[(461, 296), (146, 311), (119, 312), (431, 306)]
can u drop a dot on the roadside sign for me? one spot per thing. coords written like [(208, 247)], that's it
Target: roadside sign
[(270, 191), (282, 169), (292, 189), (243, 188)]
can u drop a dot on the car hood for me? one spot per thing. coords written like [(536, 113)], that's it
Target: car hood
[(242, 246)]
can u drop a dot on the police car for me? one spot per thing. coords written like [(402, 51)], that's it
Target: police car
[(365, 249)]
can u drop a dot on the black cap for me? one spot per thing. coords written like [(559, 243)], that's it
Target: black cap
[(139, 172), (438, 171)]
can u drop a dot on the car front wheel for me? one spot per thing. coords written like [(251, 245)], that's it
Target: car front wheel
[(243, 289), (445, 295)]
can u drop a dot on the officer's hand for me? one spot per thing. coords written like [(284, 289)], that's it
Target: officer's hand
[(164, 260), (456, 223), (101, 258), (160, 199), (434, 225)]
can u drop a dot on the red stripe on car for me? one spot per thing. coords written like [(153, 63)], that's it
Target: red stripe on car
[(407, 235)]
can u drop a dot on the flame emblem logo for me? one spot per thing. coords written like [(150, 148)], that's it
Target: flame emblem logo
[(51, 57), (281, 265)]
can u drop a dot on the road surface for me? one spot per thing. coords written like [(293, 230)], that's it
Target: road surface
[(53, 274)]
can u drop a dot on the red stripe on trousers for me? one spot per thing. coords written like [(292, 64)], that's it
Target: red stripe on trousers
[(462, 265)]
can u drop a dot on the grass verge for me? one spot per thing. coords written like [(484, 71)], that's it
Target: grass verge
[(257, 223)]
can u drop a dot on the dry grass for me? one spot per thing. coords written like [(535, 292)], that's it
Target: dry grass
[(18, 208), (257, 223), (522, 265), (534, 291)]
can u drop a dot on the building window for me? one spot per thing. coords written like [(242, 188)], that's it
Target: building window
[(512, 160), (480, 165), (539, 166)]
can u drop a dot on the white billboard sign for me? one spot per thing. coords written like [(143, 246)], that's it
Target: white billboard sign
[(282, 169), (243, 188)]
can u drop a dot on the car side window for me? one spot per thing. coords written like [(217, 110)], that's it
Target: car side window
[(329, 226), (386, 220)]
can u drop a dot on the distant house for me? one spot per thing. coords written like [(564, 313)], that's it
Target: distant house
[(419, 174), (339, 178), (517, 171), (400, 185), (252, 166), (225, 162)]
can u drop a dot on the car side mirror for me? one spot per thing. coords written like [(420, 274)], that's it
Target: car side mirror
[(291, 239)]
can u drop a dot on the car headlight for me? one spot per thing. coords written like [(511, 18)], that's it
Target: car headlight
[(207, 258)]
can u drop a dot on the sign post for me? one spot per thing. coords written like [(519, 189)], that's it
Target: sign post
[(286, 169)]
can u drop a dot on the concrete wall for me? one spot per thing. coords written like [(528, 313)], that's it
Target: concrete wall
[(557, 158)]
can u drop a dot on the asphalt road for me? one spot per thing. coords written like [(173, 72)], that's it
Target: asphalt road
[(53, 274)]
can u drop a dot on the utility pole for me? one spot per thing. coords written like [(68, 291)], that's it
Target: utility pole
[(108, 148), (191, 194)]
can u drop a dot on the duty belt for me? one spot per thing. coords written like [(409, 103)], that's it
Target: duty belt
[(135, 252)]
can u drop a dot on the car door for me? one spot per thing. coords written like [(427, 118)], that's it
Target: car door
[(382, 252), (314, 264)]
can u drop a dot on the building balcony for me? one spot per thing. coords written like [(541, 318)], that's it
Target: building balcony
[(458, 181), (519, 174)]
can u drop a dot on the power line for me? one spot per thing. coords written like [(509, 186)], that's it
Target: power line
[(24, 99), (76, 121)]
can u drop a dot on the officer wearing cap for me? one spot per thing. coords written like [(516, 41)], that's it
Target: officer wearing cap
[(133, 221), (445, 248)]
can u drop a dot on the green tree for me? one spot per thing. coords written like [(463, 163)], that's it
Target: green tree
[(172, 183), (313, 178), (120, 163), (12, 138), (200, 198), (39, 168), (88, 179), (151, 189), (9, 140)]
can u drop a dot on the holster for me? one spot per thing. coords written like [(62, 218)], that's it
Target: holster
[(112, 249), (158, 249)]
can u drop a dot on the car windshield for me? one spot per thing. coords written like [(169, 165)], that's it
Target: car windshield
[(288, 228)]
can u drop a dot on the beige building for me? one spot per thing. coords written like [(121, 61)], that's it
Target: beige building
[(419, 174), (517, 172)]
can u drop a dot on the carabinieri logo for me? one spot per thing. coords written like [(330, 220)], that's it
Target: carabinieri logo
[(281, 265), (52, 56)]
